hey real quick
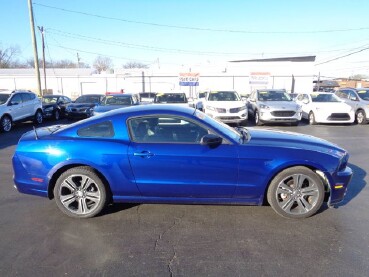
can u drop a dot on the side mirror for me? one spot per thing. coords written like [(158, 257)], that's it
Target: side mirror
[(211, 140), (353, 98)]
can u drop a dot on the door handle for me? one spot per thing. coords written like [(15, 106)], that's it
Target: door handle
[(143, 154)]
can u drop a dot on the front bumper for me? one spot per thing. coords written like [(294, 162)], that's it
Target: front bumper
[(229, 117), (282, 116), (77, 115), (339, 185)]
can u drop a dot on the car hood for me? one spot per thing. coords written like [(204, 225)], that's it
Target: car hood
[(225, 104), (284, 105), (81, 105), (102, 109), (272, 138)]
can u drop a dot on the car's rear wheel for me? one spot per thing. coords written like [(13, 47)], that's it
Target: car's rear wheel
[(79, 192), (312, 120), (6, 123), (56, 114), (296, 192), (361, 117), (38, 118), (258, 122)]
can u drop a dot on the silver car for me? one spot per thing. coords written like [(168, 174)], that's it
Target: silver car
[(358, 99), (272, 105)]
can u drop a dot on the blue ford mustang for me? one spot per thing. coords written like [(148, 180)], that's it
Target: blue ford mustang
[(171, 154)]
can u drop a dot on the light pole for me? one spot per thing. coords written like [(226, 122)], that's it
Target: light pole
[(41, 29), (32, 23)]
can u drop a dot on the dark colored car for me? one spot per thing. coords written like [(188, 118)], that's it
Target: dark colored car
[(173, 154), (116, 101), (83, 107), (54, 106)]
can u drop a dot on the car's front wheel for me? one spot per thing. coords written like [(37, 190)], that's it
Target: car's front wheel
[(56, 115), (312, 120), (79, 192), (258, 122), (361, 117), (296, 192), (6, 123), (38, 118)]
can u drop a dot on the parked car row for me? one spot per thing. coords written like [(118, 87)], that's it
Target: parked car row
[(346, 105)]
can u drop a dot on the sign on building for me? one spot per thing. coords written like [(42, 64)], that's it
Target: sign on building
[(259, 78), (189, 79)]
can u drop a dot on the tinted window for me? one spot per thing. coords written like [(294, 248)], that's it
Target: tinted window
[(160, 129), (223, 96), (89, 99), (170, 98), (26, 97), (16, 99), (102, 130), (4, 98)]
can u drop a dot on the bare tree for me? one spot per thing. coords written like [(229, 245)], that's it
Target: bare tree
[(102, 63), (131, 65), (8, 56), (359, 76)]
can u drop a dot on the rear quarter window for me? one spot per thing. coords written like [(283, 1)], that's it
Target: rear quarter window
[(99, 130)]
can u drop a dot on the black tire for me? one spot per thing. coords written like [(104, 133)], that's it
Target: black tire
[(311, 119), (360, 117), (6, 124), (38, 118), (258, 122), (80, 193), (292, 200), (56, 114)]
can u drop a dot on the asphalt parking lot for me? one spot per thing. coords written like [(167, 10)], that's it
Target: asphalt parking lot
[(36, 239)]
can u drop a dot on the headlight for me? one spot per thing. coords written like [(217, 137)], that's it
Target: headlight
[(262, 106), (210, 108), (49, 109)]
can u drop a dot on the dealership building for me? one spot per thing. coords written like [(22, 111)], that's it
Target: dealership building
[(294, 74)]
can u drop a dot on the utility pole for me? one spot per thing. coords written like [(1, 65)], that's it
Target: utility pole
[(32, 23), (143, 81), (43, 53), (78, 60)]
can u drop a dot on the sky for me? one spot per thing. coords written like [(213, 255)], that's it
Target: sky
[(194, 32)]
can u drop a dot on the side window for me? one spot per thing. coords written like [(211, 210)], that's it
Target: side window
[(99, 130), (16, 99), (26, 97), (343, 94), (353, 96), (165, 129)]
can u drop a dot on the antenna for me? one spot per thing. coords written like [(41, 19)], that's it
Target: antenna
[(36, 136)]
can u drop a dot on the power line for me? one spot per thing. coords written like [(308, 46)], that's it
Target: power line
[(198, 28), (170, 50), (344, 56)]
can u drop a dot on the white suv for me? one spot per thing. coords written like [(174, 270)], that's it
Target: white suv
[(226, 106), (19, 105)]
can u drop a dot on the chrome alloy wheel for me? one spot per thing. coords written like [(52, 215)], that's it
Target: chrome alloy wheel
[(79, 194), (297, 194), (6, 124)]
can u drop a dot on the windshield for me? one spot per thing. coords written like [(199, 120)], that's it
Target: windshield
[(202, 95), (88, 99), (324, 98), (223, 96), (363, 94), (49, 100), (170, 98), (117, 100), (273, 95), (4, 98)]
